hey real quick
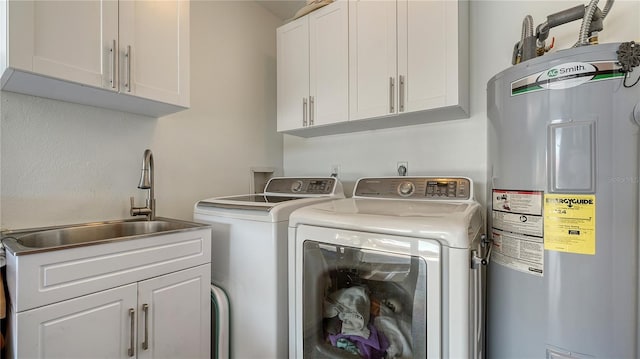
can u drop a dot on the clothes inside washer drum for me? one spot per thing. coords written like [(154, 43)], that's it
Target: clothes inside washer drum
[(352, 306)]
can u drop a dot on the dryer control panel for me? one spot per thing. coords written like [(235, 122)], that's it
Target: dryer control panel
[(417, 188)]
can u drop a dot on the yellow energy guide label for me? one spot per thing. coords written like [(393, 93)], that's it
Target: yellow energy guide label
[(570, 223)]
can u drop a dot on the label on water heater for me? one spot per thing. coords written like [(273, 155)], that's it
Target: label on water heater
[(570, 223), (567, 75), (517, 230)]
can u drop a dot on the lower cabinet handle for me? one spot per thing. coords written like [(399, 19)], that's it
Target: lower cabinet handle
[(132, 317), (145, 310), (401, 93), (311, 110), (304, 112), (391, 94)]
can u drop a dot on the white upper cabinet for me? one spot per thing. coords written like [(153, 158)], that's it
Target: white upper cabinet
[(313, 69), (432, 56), (69, 40), (407, 64), (407, 56), (126, 55), (372, 57), (329, 64), (154, 50), (293, 74)]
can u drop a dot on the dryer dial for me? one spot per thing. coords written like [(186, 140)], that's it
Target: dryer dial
[(406, 189)]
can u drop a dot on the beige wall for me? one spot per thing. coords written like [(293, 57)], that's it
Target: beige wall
[(67, 163)]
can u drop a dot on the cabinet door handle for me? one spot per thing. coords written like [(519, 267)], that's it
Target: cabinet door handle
[(114, 67), (132, 318), (304, 112), (311, 110), (392, 86), (401, 93), (145, 310), (127, 59)]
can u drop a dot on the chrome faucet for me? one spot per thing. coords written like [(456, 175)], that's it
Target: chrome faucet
[(146, 182)]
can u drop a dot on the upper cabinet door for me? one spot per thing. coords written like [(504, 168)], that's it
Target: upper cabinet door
[(372, 58), (154, 50), (329, 64), (313, 67), (293, 74), (71, 40), (428, 54)]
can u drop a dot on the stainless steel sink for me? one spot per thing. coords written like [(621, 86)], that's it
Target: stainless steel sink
[(53, 238)]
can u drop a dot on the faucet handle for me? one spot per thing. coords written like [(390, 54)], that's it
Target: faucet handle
[(132, 209), (139, 211)]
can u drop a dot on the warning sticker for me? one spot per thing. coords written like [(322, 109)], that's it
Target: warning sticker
[(517, 230), (518, 223), (525, 202), (570, 223), (522, 253)]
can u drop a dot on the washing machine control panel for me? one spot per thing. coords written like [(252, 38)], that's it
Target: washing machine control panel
[(424, 188), (302, 186)]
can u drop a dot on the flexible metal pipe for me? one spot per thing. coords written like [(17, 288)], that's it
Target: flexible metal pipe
[(606, 9), (527, 28), (527, 44), (586, 22), (589, 13)]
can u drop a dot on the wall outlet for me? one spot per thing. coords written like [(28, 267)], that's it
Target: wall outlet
[(402, 168), (335, 171)]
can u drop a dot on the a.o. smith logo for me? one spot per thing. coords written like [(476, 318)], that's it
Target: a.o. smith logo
[(577, 68), (567, 75)]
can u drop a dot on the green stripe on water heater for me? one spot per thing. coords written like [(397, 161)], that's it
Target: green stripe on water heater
[(607, 76), (526, 89)]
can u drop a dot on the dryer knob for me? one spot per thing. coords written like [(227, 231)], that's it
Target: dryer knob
[(296, 186), (406, 189)]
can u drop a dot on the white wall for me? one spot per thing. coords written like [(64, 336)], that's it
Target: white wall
[(456, 147), (67, 163)]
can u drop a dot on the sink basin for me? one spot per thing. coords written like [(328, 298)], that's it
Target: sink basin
[(53, 238)]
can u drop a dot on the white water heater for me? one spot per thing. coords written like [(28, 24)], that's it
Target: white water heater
[(563, 136)]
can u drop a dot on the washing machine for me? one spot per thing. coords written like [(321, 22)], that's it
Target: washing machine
[(395, 271), (249, 262)]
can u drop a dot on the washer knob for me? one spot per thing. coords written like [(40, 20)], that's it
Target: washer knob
[(405, 189), (296, 186)]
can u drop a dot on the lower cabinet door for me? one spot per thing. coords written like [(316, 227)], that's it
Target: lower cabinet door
[(100, 325), (174, 315)]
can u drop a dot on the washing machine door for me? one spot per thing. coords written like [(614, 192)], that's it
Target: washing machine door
[(364, 293)]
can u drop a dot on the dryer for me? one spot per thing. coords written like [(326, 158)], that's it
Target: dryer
[(396, 271), (249, 262)]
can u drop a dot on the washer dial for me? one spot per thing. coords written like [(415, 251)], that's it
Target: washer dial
[(296, 186), (406, 189)]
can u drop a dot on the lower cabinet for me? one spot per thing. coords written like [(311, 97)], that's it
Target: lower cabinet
[(162, 317)]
